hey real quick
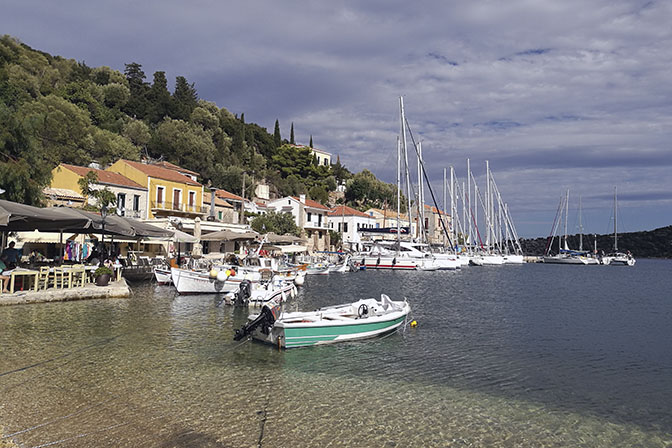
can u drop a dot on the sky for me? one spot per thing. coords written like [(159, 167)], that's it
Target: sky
[(556, 95)]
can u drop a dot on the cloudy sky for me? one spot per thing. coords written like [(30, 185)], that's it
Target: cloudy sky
[(554, 94)]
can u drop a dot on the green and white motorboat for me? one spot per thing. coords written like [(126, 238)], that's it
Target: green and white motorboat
[(363, 319)]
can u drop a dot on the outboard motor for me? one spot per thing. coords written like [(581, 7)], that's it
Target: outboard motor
[(244, 292), (266, 318)]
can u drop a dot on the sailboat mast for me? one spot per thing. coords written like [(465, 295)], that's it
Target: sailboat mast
[(615, 222), (408, 176), (566, 216), (398, 188), (580, 228), (453, 202), (444, 201)]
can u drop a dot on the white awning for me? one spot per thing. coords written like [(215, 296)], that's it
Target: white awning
[(293, 249)]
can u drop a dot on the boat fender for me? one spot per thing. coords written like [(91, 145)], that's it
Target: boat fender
[(363, 310), (414, 324), (394, 261), (213, 273), (378, 261), (221, 276)]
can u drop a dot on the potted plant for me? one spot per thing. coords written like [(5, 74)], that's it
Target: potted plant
[(103, 275)]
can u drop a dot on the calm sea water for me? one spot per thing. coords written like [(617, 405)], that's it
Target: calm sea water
[(509, 356)]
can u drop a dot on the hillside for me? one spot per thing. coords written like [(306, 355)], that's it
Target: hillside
[(647, 244), (55, 110)]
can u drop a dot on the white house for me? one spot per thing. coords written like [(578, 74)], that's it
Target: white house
[(349, 222), (309, 215)]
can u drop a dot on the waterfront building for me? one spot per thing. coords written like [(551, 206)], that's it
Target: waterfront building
[(310, 216), (349, 222), (65, 189), (171, 191)]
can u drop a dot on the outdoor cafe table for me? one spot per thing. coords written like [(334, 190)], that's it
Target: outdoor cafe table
[(25, 274)]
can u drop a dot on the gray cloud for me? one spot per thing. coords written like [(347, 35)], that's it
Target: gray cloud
[(553, 94)]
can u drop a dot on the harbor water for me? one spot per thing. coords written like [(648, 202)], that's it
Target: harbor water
[(504, 356)]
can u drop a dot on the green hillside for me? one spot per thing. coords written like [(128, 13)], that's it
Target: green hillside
[(55, 110), (647, 244)]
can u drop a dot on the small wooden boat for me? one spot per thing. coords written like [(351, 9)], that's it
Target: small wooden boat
[(358, 320)]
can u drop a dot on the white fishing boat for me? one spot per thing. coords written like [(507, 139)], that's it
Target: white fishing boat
[(216, 280), (352, 321), (162, 275), (258, 294)]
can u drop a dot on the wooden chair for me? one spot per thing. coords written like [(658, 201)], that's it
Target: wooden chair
[(78, 275), (62, 277), (43, 278)]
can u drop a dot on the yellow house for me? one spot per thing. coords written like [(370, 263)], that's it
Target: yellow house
[(131, 197), (170, 192)]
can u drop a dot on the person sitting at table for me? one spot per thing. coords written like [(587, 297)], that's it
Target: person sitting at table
[(5, 278), (11, 256)]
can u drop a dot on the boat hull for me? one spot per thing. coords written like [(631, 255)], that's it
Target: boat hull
[(197, 282), (292, 334)]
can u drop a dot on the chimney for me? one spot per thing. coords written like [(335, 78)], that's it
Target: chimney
[(302, 198), (212, 203)]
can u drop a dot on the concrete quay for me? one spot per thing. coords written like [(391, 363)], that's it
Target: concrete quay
[(115, 290)]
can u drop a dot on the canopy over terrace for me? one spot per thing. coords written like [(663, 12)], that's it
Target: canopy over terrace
[(230, 235), (15, 217), (20, 217)]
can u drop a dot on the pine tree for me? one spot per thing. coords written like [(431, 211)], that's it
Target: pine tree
[(291, 135), (185, 99), (159, 98), (277, 139)]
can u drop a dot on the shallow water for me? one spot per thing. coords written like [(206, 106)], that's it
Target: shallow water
[(508, 356)]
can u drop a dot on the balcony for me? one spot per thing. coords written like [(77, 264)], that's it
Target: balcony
[(313, 225), (176, 209)]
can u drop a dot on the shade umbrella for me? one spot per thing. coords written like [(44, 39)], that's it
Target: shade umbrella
[(230, 235), (143, 229), (21, 217), (274, 238)]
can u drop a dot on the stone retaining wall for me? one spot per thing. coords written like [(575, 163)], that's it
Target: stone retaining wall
[(115, 290)]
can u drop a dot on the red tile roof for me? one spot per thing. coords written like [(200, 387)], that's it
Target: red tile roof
[(172, 166), (226, 195), (104, 177), (344, 210), (311, 203), (162, 173)]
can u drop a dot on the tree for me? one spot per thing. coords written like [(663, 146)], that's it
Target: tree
[(279, 223), (277, 140), (137, 105), (291, 135), (185, 99), (319, 194), (103, 197), (185, 144), (159, 99)]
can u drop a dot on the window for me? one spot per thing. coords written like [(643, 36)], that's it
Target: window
[(377, 225), (159, 196), (220, 215), (310, 217), (326, 162), (339, 226), (345, 227), (319, 220), (192, 199), (177, 198), (136, 202), (121, 203)]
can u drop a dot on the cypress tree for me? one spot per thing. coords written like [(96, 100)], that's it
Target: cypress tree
[(311, 140), (277, 139), (291, 135)]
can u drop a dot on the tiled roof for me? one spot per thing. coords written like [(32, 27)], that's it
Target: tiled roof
[(311, 203), (62, 193), (219, 202), (344, 210), (227, 195), (388, 214), (159, 172), (104, 177), (172, 166)]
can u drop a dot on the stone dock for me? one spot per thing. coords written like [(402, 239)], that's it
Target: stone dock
[(115, 290)]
